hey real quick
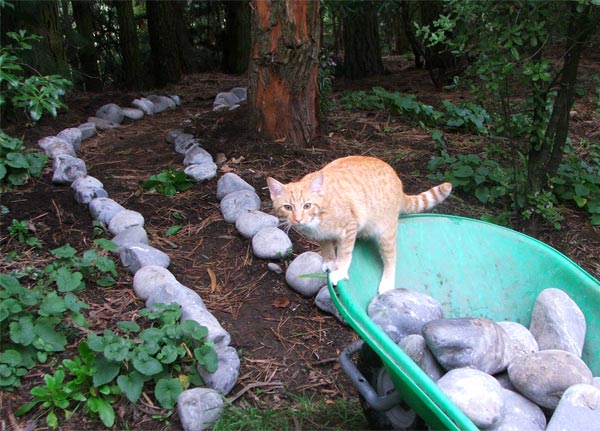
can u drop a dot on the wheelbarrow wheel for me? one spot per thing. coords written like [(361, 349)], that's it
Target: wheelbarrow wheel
[(400, 417)]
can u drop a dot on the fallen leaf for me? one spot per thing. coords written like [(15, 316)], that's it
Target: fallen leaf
[(280, 139), (226, 168), (238, 160), (281, 302), (213, 280), (329, 402)]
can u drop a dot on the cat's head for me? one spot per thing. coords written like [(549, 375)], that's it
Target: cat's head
[(300, 202)]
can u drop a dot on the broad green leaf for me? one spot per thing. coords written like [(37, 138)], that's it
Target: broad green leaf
[(104, 370), (483, 194), (52, 305), (104, 410), (11, 357), (95, 342), (117, 350), (167, 391), (129, 326), (463, 171), (106, 244), (193, 329), (17, 160), (207, 357), (68, 281), (131, 385), (168, 354), (48, 339), (66, 251), (146, 364), (51, 419), (21, 331)]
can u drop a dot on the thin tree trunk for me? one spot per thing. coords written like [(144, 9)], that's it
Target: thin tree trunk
[(131, 64), (362, 51), (284, 70), (236, 46), (184, 45), (84, 19), (163, 42), (544, 159)]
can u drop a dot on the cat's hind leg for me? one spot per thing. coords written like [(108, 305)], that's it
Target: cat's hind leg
[(387, 249)]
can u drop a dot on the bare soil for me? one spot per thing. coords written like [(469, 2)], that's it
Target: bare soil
[(287, 346)]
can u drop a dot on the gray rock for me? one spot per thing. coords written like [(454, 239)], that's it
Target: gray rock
[(201, 172), (401, 312), (199, 408), (110, 112), (130, 235), (173, 134), (73, 136), (323, 302), (133, 113), (136, 255), (237, 203), (273, 267), (522, 340), (197, 156), (144, 104), (504, 381), (230, 183), (415, 347), (87, 188), (175, 99), (161, 103), (102, 124), (306, 263), (578, 409), (87, 130), (225, 99), (240, 92), (225, 377), (172, 291), (67, 169), (520, 414), (124, 220), (184, 142), (270, 242), (544, 376), (468, 342), (476, 393), (249, 223), (104, 209), (151, 278), (557, 322), (219, 336), (54, 146), (220, 106)]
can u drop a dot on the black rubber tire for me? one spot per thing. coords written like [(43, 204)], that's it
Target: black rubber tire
[(400, 418)]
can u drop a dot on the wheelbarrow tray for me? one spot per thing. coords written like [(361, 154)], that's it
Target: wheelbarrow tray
[(474, 269)]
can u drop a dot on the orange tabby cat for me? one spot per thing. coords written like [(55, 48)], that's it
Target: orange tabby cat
[(351, 197)]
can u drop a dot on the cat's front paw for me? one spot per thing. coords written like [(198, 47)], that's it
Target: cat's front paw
[(328, 266), (337, 275), (385, 286)]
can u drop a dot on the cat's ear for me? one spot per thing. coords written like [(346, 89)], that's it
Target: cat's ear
[(316, 185), (275, 188)]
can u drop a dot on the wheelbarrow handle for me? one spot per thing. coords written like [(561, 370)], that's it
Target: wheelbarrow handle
[(378, 403)]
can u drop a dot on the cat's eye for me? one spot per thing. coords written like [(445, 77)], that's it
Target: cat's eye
[(288, 207), (307, 206)]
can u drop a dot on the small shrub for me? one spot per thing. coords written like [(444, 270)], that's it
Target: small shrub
[(17, 164), (168, 182)]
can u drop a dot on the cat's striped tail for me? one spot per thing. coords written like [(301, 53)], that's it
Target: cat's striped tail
[(426, 200)]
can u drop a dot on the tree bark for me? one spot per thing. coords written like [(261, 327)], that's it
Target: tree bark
[(236, 43), (88, 57), (362, 50), (284, 70), (163, 42), (185, 48), (131, 62), (544, 158)]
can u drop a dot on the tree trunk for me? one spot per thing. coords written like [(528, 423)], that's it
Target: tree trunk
[(163, 42), (131, 62), (284, 70), (88, 57), (362, 51), (544, 159), (185, 49), (51, 32), (236, 44), (409, 31)]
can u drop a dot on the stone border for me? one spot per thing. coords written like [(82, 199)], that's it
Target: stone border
[(199, 407)]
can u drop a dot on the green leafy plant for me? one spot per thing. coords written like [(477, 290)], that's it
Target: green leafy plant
[(17, 164), (34, 93), (327, 67), (40, 317), (469, 115), (168, 182), (23, 231)]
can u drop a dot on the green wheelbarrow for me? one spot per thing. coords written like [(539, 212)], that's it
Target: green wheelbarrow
[(475, 269)]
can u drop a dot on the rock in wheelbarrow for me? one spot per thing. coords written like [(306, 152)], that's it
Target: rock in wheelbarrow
[(401, 312)]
